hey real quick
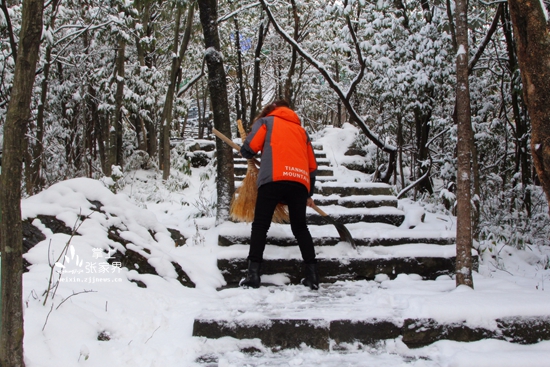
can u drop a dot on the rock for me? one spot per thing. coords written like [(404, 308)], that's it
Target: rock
[(129, 258)]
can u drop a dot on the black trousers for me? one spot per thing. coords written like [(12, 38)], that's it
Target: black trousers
[(294, 195)]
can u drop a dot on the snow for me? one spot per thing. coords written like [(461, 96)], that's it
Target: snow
[(153, 326), (544, 10)]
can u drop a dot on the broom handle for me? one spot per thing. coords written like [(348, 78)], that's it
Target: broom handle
[(319, 210), (232, 144)]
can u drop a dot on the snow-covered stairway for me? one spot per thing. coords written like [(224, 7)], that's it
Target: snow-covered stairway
[(387, 242), (351, 315), (394, 240)]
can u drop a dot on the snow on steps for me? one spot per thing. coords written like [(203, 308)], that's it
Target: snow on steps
[(341, 334), (347, 314), (388, 246), (369, 211)]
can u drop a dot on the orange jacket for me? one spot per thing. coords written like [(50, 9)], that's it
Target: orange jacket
[(287, 154)]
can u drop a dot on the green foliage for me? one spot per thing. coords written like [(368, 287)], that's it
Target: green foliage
[(505, 220), (178, 159)]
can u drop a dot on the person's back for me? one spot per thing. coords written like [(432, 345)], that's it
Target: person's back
[(287, 174), (286, 149)]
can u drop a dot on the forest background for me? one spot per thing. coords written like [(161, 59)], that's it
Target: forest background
[(116, 80), (106, 67)]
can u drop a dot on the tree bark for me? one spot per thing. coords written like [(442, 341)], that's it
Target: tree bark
[(288, 91), (9, 27), (119, 96), (422, 124), (532, 36), (464, 210), (241, 112), (217, 85), (11, 237), (257, 61), (166, 123), (34, 181), (148, 140)]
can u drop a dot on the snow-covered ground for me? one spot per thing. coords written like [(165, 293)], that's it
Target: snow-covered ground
[(152, 326)]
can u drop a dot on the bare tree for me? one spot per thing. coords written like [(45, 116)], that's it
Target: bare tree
[(463, 116), (241, 95), (166, 122), (148, 140), (33, 182), (532, 34), (217, 85), (11, 237), (262, 31), (116, 141)]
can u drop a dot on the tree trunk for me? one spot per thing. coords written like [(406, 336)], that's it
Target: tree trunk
[(533, 47), (451, 23), (288, 91), (90, 117), (427, 11), (422, 124), (166, 119), (400, 142), (476, 200), (217, 84), (34, 181), (166, 123), (522, 156), (148, 140), (11, 237), (9, 27), (241, 112), (464, 210), (256, 83), (119, 96)]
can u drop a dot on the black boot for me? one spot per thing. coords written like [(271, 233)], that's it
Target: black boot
[(252, 277), (312, 276)]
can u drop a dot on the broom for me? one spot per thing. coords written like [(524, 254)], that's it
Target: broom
[(244, 199)]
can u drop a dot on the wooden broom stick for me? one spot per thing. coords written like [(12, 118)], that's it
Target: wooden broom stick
[(232, 144)]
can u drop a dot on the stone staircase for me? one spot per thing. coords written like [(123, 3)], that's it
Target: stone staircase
[(369, 211), (387, 245)]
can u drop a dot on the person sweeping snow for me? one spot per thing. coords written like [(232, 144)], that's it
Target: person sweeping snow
[(287, 174)]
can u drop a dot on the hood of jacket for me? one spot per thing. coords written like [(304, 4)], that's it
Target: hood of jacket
[(286, 114)]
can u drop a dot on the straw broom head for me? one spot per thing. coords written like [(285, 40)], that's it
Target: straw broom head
[(244, 200)]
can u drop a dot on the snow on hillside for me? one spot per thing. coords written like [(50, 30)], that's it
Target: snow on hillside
[(100, 317)]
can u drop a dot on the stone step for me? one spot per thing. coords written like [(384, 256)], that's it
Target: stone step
[(332, 270), (229, 240), (284, 333), (361, 189), (384, 215), (364, 234), (356, 201), (388, 215)]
